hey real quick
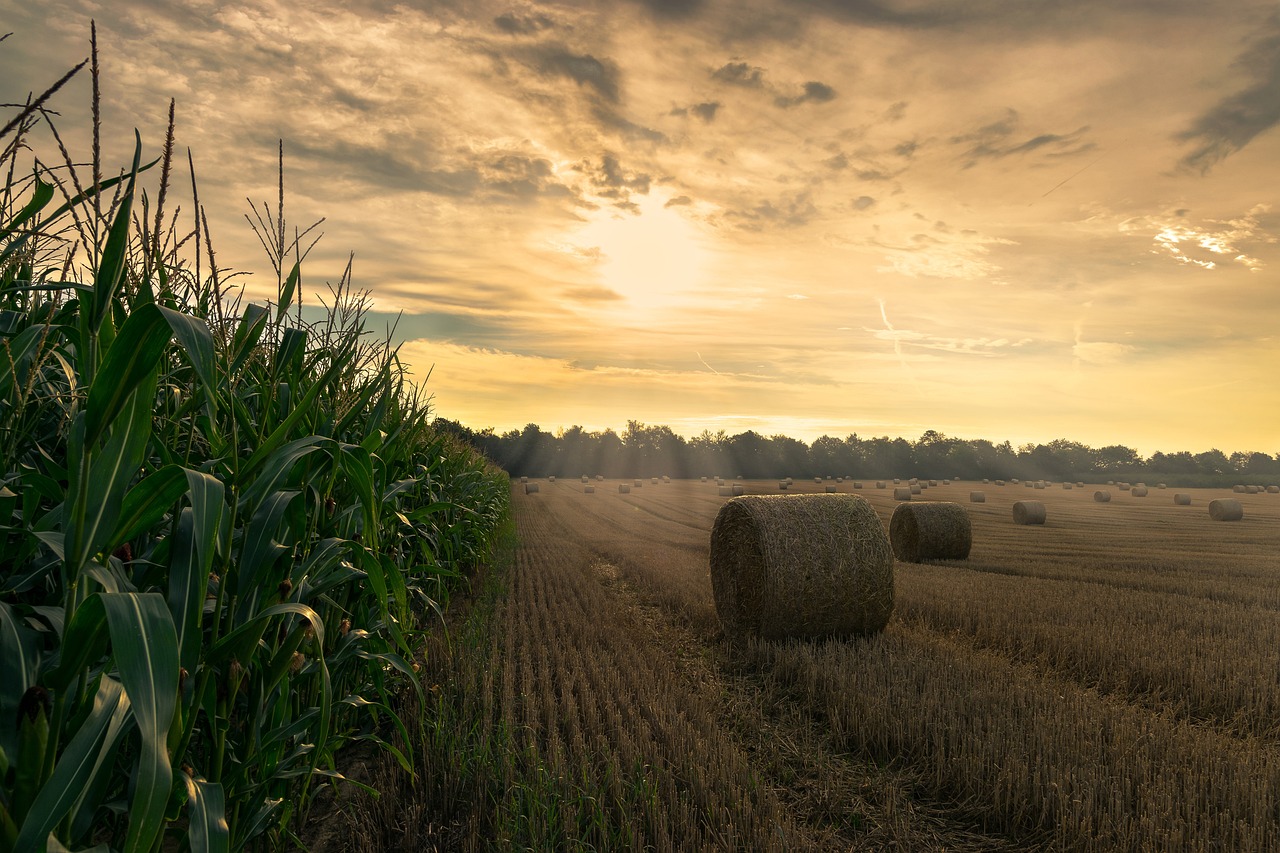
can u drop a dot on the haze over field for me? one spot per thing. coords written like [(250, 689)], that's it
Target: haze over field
[(998, 219)]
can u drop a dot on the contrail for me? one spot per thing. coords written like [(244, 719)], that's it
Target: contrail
[(1069, 177), (704, 363)]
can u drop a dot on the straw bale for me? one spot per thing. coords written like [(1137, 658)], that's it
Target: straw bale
[(896, 481), (946, 482), (790, 482), (725, 491), (830, 489), (914, 481), (933, 482), (801, 566), (1182, 499), (915, 490), (977, 497), (1039, 484), (1124, 487), (902, 494), (704, 479), (585, 478), (1068, 487), (638, 483), (1238, 489), (1252, 490), (1226, 509), (1028, 512), (738, 489), (817, 479), (599, 478), (1138, 491), (524, 479), (653, 480), (880, 484), (1273, 490), (1001, 482), (985, 481), (530, 488), (1102, 496), (624, 489), (857, 484), (551, 479), (588, 490), (937, 530), (1014, 481), (782, 485), (1161, 486)]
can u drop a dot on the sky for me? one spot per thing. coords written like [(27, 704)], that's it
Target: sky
[(1007, 219)]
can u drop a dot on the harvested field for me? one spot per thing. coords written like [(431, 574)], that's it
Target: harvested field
[(1105, 681)]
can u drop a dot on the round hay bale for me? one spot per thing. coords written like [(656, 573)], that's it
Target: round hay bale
[(1226, 509), (933, 482), (801, 566), (1066, 487), (704, 479), (1161, 486), (1273, 490), (828, 476), (1252, 490), (790, 482), (551, 479), (654, 480), (817, 479), (985, 481), (624, 489), (902, 494), (1138, 491), (896, 481), (880, 484), (839, 479), (588, 490), (1102, 497), (977, 497), (1014, 481), (830, 489), (1111, 482), (1238, 489), (937, 530), (524, 479), (725, 491), (782, 485), (1182, 499), (1028, 512), (1001, 482), (915, 490), (666, 478), (1079, 484), (857, 484), (946, 482), (1028, 484), (1039, 484), (638, 483), (719, 481), (914, 481), (530, 488), (738, 489), (585, 478), (1124, 487), (599, 478)]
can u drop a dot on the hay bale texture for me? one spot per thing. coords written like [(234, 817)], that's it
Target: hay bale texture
[(530, 488), (1226, 509), (1102, 496), (902, 494), (937, 530), (1138, 491), (830, 489), (801, 566), (624, 489), (724, 491), (1182, 499), (977, 497), (1273, 490), (1028, 512), (880, 484), (738, 489), (588, 490)]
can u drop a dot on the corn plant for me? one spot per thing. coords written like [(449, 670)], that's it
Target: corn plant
[(224, 529)]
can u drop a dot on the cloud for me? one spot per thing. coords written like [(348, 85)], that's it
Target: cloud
[(1101, 352), (814, 93), (556, 60), (678, 201), (863, 202), (790, 211), (610, 180), (941, 255), (593, 294), (1236, 120), (740, 74), (1205, 245), (706, 110), (997, 140), (523, 25)]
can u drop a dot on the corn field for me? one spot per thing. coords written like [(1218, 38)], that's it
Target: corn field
[(224, 530)]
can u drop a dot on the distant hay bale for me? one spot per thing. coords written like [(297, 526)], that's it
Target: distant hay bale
[(1001, 482), (1028, 484), (624, 489), (915, 490), (937, 530), (1028, 512), (1273, 490), (1252, 490), (857, 484), (1238, 489), (830, 489), (551, 479), (638, 483), (654, 480), (985, 481), (725, 491), (1138, 491), (1102, 496), (902, 494), (896, 481), (790, 482), (880, 484), (1226, 509), (1067, 487), (666, 479), (585, 478), (530, 488), (914, 481), (599, 478), (588, 490), (704, 479), (933, 482), (817, 479), (1014, 481), (1124, 487), (977, 497), (1161, 486), (1079, 484), (828, 476), (1039, 484), (946, 482), (738, 489), (782, 485), (801, 566), (839, 479), (719, 481), (1182, 499), (524, 479)]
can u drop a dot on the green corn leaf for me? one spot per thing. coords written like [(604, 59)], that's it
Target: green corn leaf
[(116, 251), (293, 344), (187, 587), (85, 809), (357, 465), (259, 821), (133, 357), (97, 501), (206, 815), (260, 550), (146, 503), (247, 335), (240, 642), (207, 495), (19, 663), (195, 337), (279, 466), (74, 769), (145, 646), (281, 432), (40, 196), (287, 290), (16, 356)]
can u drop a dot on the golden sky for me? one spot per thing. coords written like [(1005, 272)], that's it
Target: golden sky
[(1003, 219)]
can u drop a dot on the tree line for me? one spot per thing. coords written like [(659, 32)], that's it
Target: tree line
[(643, 450)]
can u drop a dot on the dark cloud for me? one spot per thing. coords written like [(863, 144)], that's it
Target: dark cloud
[(906, 149), (740, 74), (679, 201), (610, 180), (706, 110), (582, 68), (837, 163), (814, 93), (1232, 123), (873, 175), (789, 212), (673, 9), (628, 129), (1000, 139), (516, 24), (863, 202)]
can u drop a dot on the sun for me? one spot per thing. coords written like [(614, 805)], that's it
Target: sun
[(653, 258)]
